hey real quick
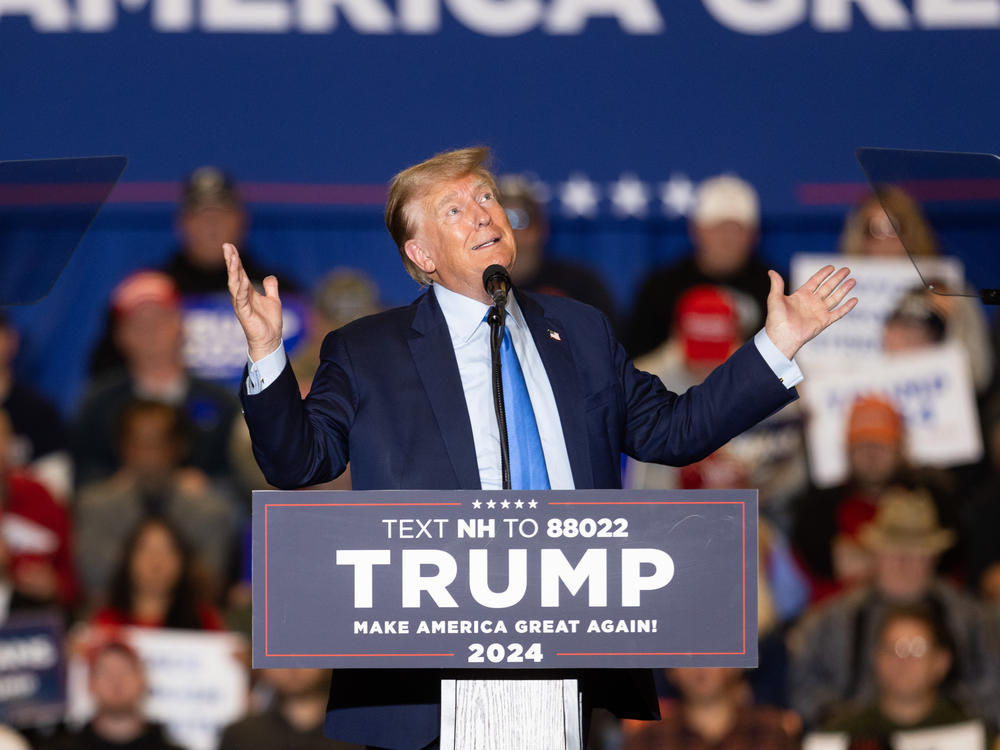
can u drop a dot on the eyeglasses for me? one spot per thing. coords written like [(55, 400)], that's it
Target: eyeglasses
[(880, 228), (518, 218), (907, 648)]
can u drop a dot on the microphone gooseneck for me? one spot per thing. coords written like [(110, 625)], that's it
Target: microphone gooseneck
[(496, 282)]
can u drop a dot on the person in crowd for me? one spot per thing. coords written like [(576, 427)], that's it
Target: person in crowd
[(536, 270), (156, 584), (294, 720), (911, 660), (36, 551), (832, 652), (41, 444), (342, 296), (398, 394), (827, 522), (981, 515), (870, 228), (152, 482), (211, 213), (714, 710), (724, 228), (705, 332), (923, 319), (117, 684), (148, 329), (915, 323)]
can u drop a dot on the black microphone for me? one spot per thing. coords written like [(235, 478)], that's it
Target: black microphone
[(496, 281)]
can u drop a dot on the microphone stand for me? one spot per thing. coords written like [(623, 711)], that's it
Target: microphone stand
[(497, 319)]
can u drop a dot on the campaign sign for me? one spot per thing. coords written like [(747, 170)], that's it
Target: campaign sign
[(511, 579), (32, 670), (881, 282), (931, 388), (215, 347)]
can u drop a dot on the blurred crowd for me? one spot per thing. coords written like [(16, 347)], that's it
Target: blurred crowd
[(879, 592)]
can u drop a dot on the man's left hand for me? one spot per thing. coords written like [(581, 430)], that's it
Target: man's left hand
[(799, 317)]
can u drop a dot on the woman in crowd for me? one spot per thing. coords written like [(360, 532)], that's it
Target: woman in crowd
[(155, 584)]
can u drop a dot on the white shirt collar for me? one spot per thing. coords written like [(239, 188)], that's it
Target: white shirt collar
[(464, 315)]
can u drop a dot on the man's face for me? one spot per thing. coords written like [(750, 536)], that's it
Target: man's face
[(874, 462), (722, 248), (461, 229), (117, 683), (204, 230), (908, 662), (148, 446), (904, 576), (150, 335)]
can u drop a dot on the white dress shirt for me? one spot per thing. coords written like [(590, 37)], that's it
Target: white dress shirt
[(470, 339)]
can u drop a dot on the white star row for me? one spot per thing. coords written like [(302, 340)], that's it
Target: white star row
[(477, 504), (630, 197)]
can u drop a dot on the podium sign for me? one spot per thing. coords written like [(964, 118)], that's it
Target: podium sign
[(505, 579)]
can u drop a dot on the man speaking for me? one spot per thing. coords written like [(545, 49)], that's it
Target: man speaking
[(406, 397)]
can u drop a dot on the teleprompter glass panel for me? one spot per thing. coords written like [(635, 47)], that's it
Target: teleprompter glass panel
[(942, 203), (46, 207)]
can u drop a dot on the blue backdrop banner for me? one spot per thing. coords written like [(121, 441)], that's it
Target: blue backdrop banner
[(616, 105)]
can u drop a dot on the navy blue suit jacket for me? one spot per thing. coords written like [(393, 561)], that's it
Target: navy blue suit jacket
[(388, 397)]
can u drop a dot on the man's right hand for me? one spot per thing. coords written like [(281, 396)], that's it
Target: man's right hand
[(259, 314)]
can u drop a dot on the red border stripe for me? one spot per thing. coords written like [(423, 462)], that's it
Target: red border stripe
[(649, 502), (741, 503), (354, 655)]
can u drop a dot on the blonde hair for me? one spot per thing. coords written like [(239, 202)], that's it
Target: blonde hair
[(412, 183), (905, 215)]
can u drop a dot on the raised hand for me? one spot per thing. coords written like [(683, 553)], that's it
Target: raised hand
[(799, 317), (259, 314)]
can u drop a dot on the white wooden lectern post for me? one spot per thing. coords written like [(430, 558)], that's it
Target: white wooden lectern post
[(510, 715)]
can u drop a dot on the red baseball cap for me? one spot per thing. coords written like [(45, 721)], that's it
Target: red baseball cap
[(707, 323)]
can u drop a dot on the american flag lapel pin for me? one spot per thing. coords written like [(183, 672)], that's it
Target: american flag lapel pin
[(554, 335)]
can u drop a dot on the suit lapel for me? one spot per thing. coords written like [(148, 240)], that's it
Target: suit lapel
[(434, 357), (557, 357)]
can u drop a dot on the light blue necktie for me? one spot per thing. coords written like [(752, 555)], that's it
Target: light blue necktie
[(527, 461)]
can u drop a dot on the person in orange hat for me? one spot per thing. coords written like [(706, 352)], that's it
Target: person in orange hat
[(827, 522)]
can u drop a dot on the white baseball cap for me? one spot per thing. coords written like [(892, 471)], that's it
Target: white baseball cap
[(726, 198)]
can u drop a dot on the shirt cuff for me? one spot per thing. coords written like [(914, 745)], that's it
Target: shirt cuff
[(264, 371), (783, 368)]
